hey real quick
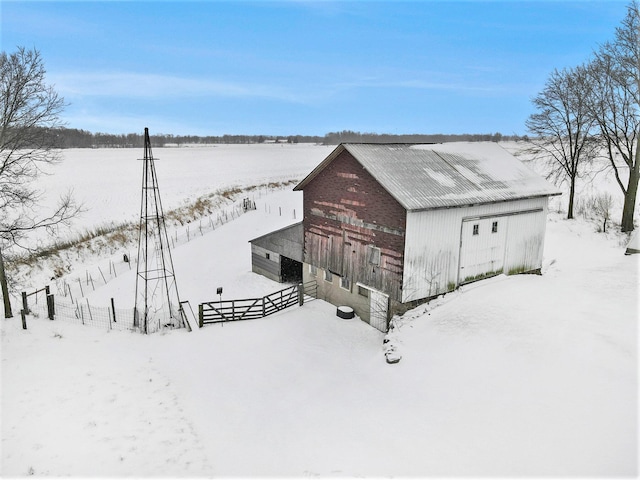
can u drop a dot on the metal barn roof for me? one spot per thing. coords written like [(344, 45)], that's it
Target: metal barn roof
[(429, 176)]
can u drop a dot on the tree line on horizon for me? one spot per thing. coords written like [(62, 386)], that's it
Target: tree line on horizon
[(77, 138)]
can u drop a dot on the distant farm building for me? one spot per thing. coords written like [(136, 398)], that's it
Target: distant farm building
[(278, 255), (387, 227)]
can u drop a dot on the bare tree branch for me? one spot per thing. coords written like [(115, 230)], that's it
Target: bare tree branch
[(562, 127), (30, 114), (614, 101)]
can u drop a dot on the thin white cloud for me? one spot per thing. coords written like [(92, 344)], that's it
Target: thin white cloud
[(138, 85), (452, 86), (107, 122)]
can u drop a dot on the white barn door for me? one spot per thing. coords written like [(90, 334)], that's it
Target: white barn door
[(378, 307), (482, 248)]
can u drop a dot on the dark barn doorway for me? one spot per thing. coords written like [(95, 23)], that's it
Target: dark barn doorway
[(290, 270)]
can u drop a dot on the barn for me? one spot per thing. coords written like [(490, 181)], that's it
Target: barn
[(388, 226)]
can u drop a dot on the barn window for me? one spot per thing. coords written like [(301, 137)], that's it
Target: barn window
[(476, 229), (363, 291), (313, 270), (328, 276), (345, 283), (494, 227), (374, 255), (268, 256)]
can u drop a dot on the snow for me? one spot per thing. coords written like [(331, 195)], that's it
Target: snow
[(493, 161), (441, 178), (512, 376), (108, 181), (634, 243)]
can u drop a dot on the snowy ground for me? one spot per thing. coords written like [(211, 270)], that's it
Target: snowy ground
[(513, 376), (107, 182)]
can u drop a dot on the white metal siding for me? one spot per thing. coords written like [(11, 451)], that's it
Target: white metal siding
[(525, 242), (482, 250), (269, 267), (431, 262)]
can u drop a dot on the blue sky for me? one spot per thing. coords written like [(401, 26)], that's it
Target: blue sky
[(301, 67)]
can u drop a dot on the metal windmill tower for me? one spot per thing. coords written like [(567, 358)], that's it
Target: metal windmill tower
[(157, 301)]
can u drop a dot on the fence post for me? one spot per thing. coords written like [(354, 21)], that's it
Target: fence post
[(25, 305), (89, 308), (113, 309), (200, 315), (51, 308), (24, 319), (69, 290), (300, 294)]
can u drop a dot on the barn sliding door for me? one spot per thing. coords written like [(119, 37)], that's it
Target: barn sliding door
[(482, 248)]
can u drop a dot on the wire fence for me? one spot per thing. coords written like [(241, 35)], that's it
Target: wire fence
[(77, 287), (83, 313), (71, 304)]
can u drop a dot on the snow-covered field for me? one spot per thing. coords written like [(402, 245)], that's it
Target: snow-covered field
[(108, 182), (513, 376)]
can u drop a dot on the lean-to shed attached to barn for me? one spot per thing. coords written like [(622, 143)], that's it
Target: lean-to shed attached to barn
[(388, 226), (278, 255)]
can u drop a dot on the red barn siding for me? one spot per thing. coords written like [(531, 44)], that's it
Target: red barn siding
[(345, 211)]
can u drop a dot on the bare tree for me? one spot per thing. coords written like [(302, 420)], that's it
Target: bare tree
[(30, 111), (561, 128), (614, 99), (597, 208)]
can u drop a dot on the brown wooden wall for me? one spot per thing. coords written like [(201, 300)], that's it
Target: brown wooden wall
[(346, 211)]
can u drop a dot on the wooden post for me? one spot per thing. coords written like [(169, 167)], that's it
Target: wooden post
[(51, 309), (24, 319), (113, 310), (25, 304), (300, 294)]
